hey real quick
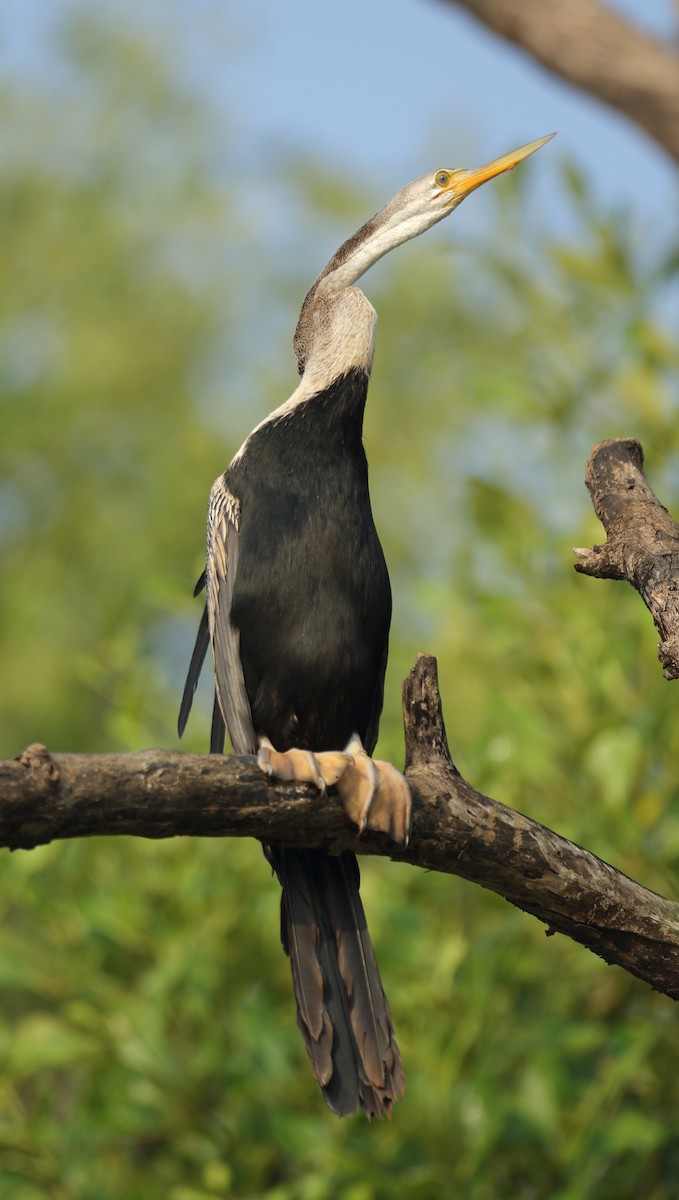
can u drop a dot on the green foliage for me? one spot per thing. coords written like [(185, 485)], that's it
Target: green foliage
[(147, 1033)]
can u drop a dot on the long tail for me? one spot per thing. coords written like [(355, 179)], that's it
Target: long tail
[(342, 1010)]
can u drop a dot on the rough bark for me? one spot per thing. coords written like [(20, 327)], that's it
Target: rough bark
[(456, 829), (598, 50), (642, 539)]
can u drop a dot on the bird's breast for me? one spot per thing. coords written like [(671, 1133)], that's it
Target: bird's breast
[(312, 600)]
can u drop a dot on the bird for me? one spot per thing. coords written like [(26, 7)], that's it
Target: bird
[(298, 610)]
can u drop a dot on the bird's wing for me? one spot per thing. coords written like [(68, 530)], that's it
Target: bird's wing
[(222, 566)]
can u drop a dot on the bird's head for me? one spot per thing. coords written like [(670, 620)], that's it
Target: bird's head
[(429, 199), (414, 209)]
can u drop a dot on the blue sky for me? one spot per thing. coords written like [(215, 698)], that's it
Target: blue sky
[(382, 91), (385, 89), (390, 88)]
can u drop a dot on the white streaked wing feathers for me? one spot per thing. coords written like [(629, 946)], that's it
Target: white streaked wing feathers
[(222, 566)]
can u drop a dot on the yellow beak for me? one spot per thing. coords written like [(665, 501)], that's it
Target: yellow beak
[(464, 181)]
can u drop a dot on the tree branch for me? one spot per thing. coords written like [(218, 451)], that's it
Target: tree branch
[(643, 539), (456, 829), (598, 50)]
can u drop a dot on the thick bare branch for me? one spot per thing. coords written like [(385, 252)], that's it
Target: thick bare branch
[(598, 50), (643, 539), (455, 829)]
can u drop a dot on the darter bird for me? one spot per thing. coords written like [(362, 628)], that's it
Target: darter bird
[(298, 613)]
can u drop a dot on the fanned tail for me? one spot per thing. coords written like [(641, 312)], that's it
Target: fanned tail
[(342, 1010)]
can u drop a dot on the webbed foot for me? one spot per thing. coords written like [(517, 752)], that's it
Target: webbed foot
[(302, 766), (375, 795)]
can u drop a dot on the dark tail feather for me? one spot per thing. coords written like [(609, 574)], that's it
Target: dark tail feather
[(342, 1010), (218, 729), (195, 668)]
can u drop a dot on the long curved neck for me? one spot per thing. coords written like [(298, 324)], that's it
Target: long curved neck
[(363, 249), (382, 233)]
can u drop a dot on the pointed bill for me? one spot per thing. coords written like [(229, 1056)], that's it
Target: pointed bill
[(464, 181)]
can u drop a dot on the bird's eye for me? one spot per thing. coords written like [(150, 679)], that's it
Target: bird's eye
[(442, 178)]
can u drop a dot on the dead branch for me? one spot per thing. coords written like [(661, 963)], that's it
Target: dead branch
[(643, 539), (456, 829), (598, 50)]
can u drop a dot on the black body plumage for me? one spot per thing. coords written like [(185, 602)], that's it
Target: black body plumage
[(311, 600)]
